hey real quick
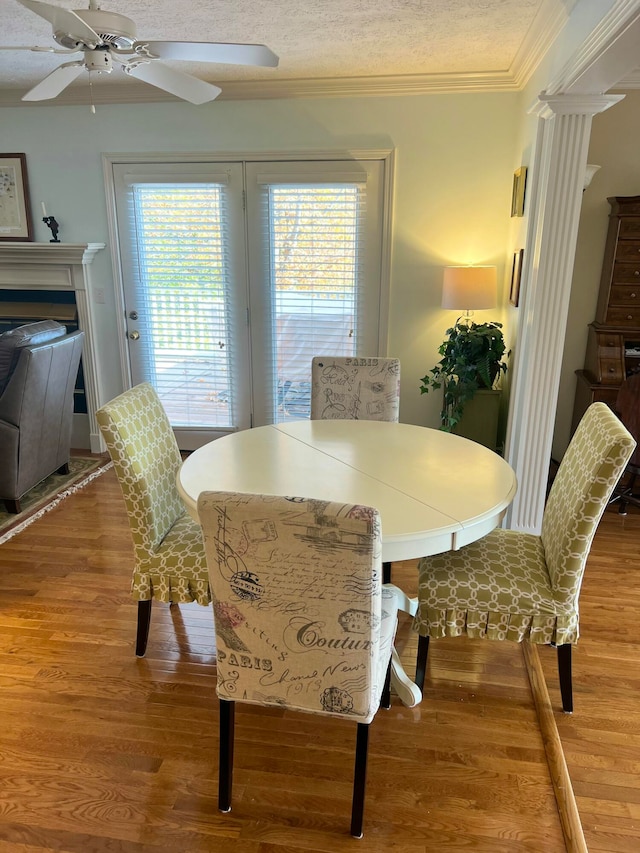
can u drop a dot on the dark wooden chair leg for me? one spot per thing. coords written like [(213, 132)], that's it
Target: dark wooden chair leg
[(564, 670), (12, 506), (421, 660), (386, 573), (225, 773), (385, 697), (359, 780), (63, 469), (144, 620)]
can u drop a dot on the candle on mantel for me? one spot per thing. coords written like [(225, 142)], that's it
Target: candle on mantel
[(44, 209)]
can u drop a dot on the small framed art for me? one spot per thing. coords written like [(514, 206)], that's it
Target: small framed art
[(516, 275), (519, 188), (15, 211)]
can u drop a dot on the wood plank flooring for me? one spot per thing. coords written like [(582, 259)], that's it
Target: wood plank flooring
[(601, 739), (100, 751)]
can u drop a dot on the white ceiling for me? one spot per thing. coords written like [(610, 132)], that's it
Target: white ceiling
[(325, 46)]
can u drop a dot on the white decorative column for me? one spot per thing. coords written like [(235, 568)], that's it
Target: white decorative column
[(559, 169), (61, 266)]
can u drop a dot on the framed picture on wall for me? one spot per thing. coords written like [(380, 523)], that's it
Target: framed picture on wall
[(519, 188), (516, 275), (15, 211)]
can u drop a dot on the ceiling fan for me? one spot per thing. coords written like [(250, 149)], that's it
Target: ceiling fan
[(106, 39)]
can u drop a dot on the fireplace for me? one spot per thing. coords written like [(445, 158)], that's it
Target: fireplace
[(18, 307), (47, 267)]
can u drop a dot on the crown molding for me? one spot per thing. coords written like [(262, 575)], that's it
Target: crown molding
[(549, 21), (343, 87), (630, 81)]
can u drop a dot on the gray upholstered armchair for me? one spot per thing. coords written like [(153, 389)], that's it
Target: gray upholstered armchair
[(38, 369)]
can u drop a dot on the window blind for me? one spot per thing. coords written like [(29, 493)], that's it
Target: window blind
[(315, 263), (181, 280)]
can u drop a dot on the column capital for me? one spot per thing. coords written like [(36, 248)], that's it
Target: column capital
[(548, 106)]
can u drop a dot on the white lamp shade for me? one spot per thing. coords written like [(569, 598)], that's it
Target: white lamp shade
[(470, 288)]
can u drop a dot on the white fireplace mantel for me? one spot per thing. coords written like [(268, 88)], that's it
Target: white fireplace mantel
[(60, 266)]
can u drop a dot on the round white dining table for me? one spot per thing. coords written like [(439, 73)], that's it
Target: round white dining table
[(434, 491)]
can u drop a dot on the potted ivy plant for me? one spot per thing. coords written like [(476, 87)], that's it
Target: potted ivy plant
[(472, 360)]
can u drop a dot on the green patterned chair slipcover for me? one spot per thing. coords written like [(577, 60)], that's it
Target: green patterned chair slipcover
[(519, 586), (170, 563), (302, 619), (365, 389)]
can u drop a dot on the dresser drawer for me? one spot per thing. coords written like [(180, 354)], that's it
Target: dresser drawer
[(604, 361), (629, 226), (610, 371), (608, 343), (626, 272), (628, 251), (628, 317), (624, 294)]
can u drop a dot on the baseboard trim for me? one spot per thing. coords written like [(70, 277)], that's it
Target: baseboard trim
[(558, 770)]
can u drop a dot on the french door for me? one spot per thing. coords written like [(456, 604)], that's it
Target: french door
[(234, 275)]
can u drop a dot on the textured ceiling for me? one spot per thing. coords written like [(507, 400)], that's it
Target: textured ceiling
[(416, 42)]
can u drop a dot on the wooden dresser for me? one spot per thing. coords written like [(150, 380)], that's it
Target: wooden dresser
[(613, 345)]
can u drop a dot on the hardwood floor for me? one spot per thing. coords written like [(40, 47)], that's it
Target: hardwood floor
[(100, 751), (601, 740)]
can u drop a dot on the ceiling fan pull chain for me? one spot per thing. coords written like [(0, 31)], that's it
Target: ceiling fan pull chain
[(93, 106)]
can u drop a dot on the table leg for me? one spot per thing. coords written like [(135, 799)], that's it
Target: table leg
[(408, 692)]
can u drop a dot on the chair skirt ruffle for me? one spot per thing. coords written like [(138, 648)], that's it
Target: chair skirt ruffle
[(170, 589), (497, 625), (175, 572)]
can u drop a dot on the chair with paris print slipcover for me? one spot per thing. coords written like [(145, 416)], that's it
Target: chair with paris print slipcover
[(519, 586), (170, 563), (302, 619), (352, 388)]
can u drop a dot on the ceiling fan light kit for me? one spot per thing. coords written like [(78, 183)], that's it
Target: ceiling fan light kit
[(103, 37), (98, 60)]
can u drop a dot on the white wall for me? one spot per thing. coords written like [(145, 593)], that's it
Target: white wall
[(455, 161), (614, 147)]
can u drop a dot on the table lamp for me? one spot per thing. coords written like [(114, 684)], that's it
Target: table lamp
[(469, 288)]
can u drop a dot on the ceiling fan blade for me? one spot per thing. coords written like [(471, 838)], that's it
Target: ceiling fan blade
[(55, 82), (64, 20), (202, 51), (36, 48), (176, 82)]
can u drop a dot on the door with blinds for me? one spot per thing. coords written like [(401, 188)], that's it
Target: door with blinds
[(236, 274), (182, 258), (315, 243)]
